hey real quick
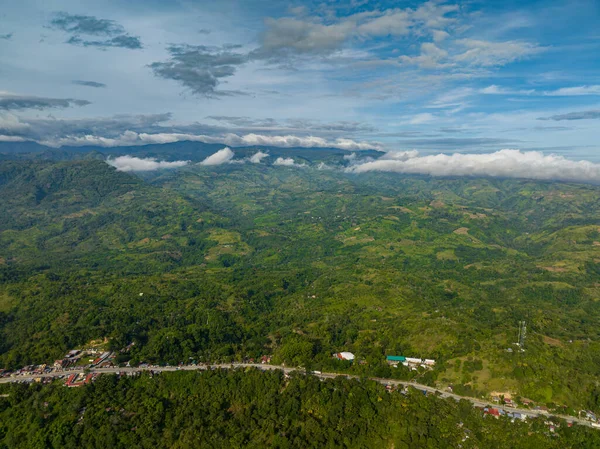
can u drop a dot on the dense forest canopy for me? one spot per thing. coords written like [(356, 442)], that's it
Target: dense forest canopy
[(235, 409)]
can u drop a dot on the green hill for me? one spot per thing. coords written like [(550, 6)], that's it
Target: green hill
[(242, 260)]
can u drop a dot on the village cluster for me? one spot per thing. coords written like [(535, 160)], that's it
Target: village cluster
[(394, 360), (75, 368)]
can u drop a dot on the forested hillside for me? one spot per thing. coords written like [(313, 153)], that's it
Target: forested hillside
[(238, 409), (237, 261)]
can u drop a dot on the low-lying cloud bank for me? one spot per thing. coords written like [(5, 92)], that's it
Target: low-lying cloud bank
[(144, 129), (287, 162), (503, 163), (226, 155), (134, 138), (130, 163)]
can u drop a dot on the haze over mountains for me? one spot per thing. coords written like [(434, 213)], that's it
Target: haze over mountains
[(503, 163)]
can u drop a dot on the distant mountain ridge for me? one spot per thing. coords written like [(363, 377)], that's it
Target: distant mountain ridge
[(183, 150)]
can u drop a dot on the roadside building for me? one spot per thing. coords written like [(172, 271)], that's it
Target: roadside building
[(491, 411), (411, 362), (344, 356), (395, 359)]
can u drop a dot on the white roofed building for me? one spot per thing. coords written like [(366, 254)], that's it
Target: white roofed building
[(344, 356)]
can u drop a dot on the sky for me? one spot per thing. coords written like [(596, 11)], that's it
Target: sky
[(436, 77)]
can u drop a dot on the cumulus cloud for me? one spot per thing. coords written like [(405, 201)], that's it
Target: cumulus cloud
[(253, 139), (503, 163), (112, 34), (439, 35), (88, 83), (399, 155), (297, 141), (11, 125), (580, 115), (292, 36), (287, 162), (256, 158), (220, 157), (10, 101), (354, 159), (287, 35), (130, 163), (431, 57)]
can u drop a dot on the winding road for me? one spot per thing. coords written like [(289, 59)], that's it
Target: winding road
[(265, 367)]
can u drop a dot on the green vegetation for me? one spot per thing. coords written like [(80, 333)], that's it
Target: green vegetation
[(240, 260), (235, 409)]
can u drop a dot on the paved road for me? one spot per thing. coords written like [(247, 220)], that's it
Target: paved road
[(264, 367)]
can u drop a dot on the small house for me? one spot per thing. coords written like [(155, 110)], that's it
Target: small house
[(344, 356)]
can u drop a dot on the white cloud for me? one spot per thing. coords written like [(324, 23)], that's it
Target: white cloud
[(430, 57), (302, 36), (220, 157), (11, 123), (399, 155), (311, 35), (439, 35), (434, 14), (574, 91), (498, 90), (257, 157), (393, 22), (353, 159), (231, 139), (453, 98), (421, 119), (503, 163), (287, 162), (296, 141), (4, 138), (494, 90), (130, 163), (489, 54)]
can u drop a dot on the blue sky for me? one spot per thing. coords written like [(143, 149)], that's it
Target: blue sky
[(473, 76)]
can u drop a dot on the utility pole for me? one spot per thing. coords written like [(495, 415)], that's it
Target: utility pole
[(522, 334)]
